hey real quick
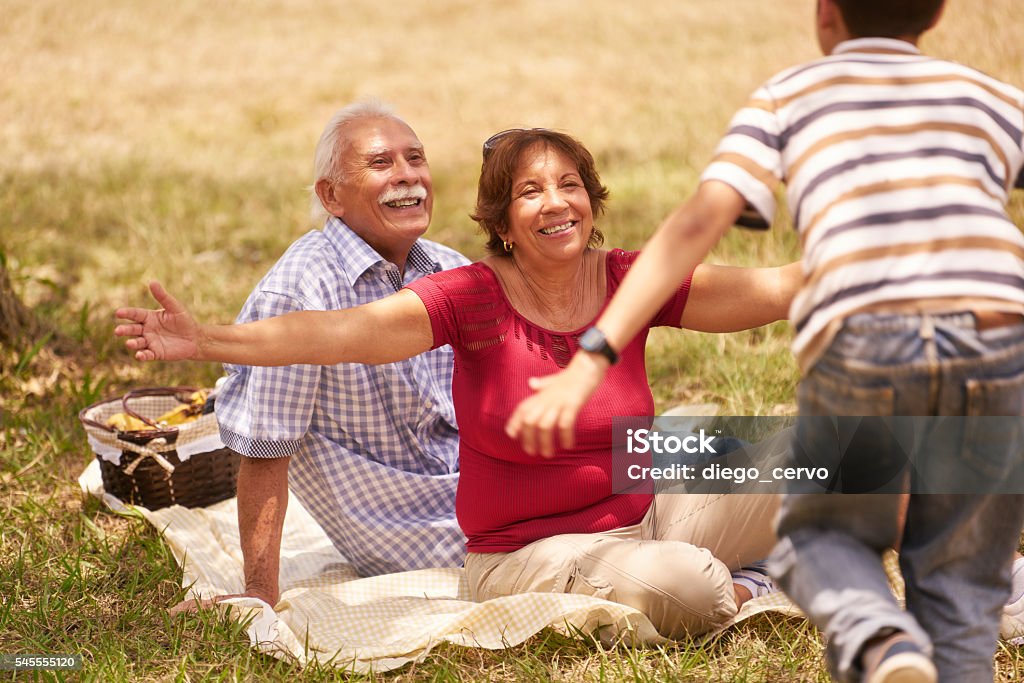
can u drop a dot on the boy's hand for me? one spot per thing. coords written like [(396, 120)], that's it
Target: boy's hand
[(551, 413)]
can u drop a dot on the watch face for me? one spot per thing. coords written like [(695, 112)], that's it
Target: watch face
[(593, 340)]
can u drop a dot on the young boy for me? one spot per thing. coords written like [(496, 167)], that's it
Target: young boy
[(898, 169)]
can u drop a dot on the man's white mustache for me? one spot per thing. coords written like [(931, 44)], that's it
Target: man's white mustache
[(395, 194)]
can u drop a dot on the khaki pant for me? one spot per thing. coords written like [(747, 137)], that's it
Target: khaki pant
[(674, 566)]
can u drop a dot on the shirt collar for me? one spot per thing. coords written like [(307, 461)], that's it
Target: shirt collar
[(357, 256), (876, 45)]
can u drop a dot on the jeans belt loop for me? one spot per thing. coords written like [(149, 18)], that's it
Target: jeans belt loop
[(927, 327)]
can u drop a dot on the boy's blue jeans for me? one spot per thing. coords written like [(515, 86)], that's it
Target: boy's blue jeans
[(956, 550)]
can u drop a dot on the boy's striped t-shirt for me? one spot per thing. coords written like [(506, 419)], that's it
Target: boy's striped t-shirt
[(897, 169)]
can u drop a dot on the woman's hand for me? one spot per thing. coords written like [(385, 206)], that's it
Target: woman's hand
[(170, 333), (555, 406)]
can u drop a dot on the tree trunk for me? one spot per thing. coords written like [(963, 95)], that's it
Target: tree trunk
[(18, 324)]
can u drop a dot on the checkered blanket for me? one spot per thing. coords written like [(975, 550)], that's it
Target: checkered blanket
[(380, 623)]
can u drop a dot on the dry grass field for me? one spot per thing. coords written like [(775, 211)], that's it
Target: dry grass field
[(174, 141)]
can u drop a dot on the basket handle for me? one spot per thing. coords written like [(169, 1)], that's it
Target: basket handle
[(177, 392), (93, 423)]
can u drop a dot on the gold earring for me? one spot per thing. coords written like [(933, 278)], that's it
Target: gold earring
[(508, 246)]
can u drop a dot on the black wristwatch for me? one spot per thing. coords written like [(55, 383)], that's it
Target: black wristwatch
[(594, 341)]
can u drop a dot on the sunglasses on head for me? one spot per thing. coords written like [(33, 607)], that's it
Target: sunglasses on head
[(492, 141)]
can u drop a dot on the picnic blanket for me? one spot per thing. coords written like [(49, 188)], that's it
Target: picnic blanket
[(380, 623)]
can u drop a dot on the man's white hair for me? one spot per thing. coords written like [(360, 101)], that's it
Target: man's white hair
[(325, 161)]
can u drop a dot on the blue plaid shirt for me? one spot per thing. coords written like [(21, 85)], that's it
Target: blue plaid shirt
[(375, 448)]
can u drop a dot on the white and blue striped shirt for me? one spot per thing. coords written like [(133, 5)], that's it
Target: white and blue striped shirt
[(897, 169), (375, 448)]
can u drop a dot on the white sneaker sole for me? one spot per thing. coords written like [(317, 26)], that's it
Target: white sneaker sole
[(1011, 623), (906, 667)]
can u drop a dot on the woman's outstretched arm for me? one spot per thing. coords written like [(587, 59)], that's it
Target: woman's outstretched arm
[(730, 298), (391, 329)]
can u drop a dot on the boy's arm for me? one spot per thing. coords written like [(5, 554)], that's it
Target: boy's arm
[(680, 243)]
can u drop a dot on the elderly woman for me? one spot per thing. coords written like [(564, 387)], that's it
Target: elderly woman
[(537, 524)]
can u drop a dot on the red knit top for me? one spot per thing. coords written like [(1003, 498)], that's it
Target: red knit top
[(506, 498)]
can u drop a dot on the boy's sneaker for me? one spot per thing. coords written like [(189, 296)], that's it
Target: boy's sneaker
[(1011, 624), (754, 577), (898, 659)]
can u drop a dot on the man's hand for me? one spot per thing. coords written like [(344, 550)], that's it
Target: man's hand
[(191, 606), (169, 333), (555, 406)]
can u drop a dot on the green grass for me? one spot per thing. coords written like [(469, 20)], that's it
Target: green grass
[(77, 578)]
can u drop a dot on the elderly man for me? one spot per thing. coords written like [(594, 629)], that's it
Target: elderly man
[(370, 451)]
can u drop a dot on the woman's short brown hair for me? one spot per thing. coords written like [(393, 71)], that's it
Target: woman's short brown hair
[(502, 155)]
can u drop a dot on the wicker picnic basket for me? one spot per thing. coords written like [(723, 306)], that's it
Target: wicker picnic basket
[(184, 464)]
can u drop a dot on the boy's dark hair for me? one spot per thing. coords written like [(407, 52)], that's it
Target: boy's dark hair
[(888, 18)]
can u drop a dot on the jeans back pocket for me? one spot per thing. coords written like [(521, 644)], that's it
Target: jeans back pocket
[(992, 433)]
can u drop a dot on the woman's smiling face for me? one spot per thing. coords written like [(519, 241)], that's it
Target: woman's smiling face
[(550, 216)]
